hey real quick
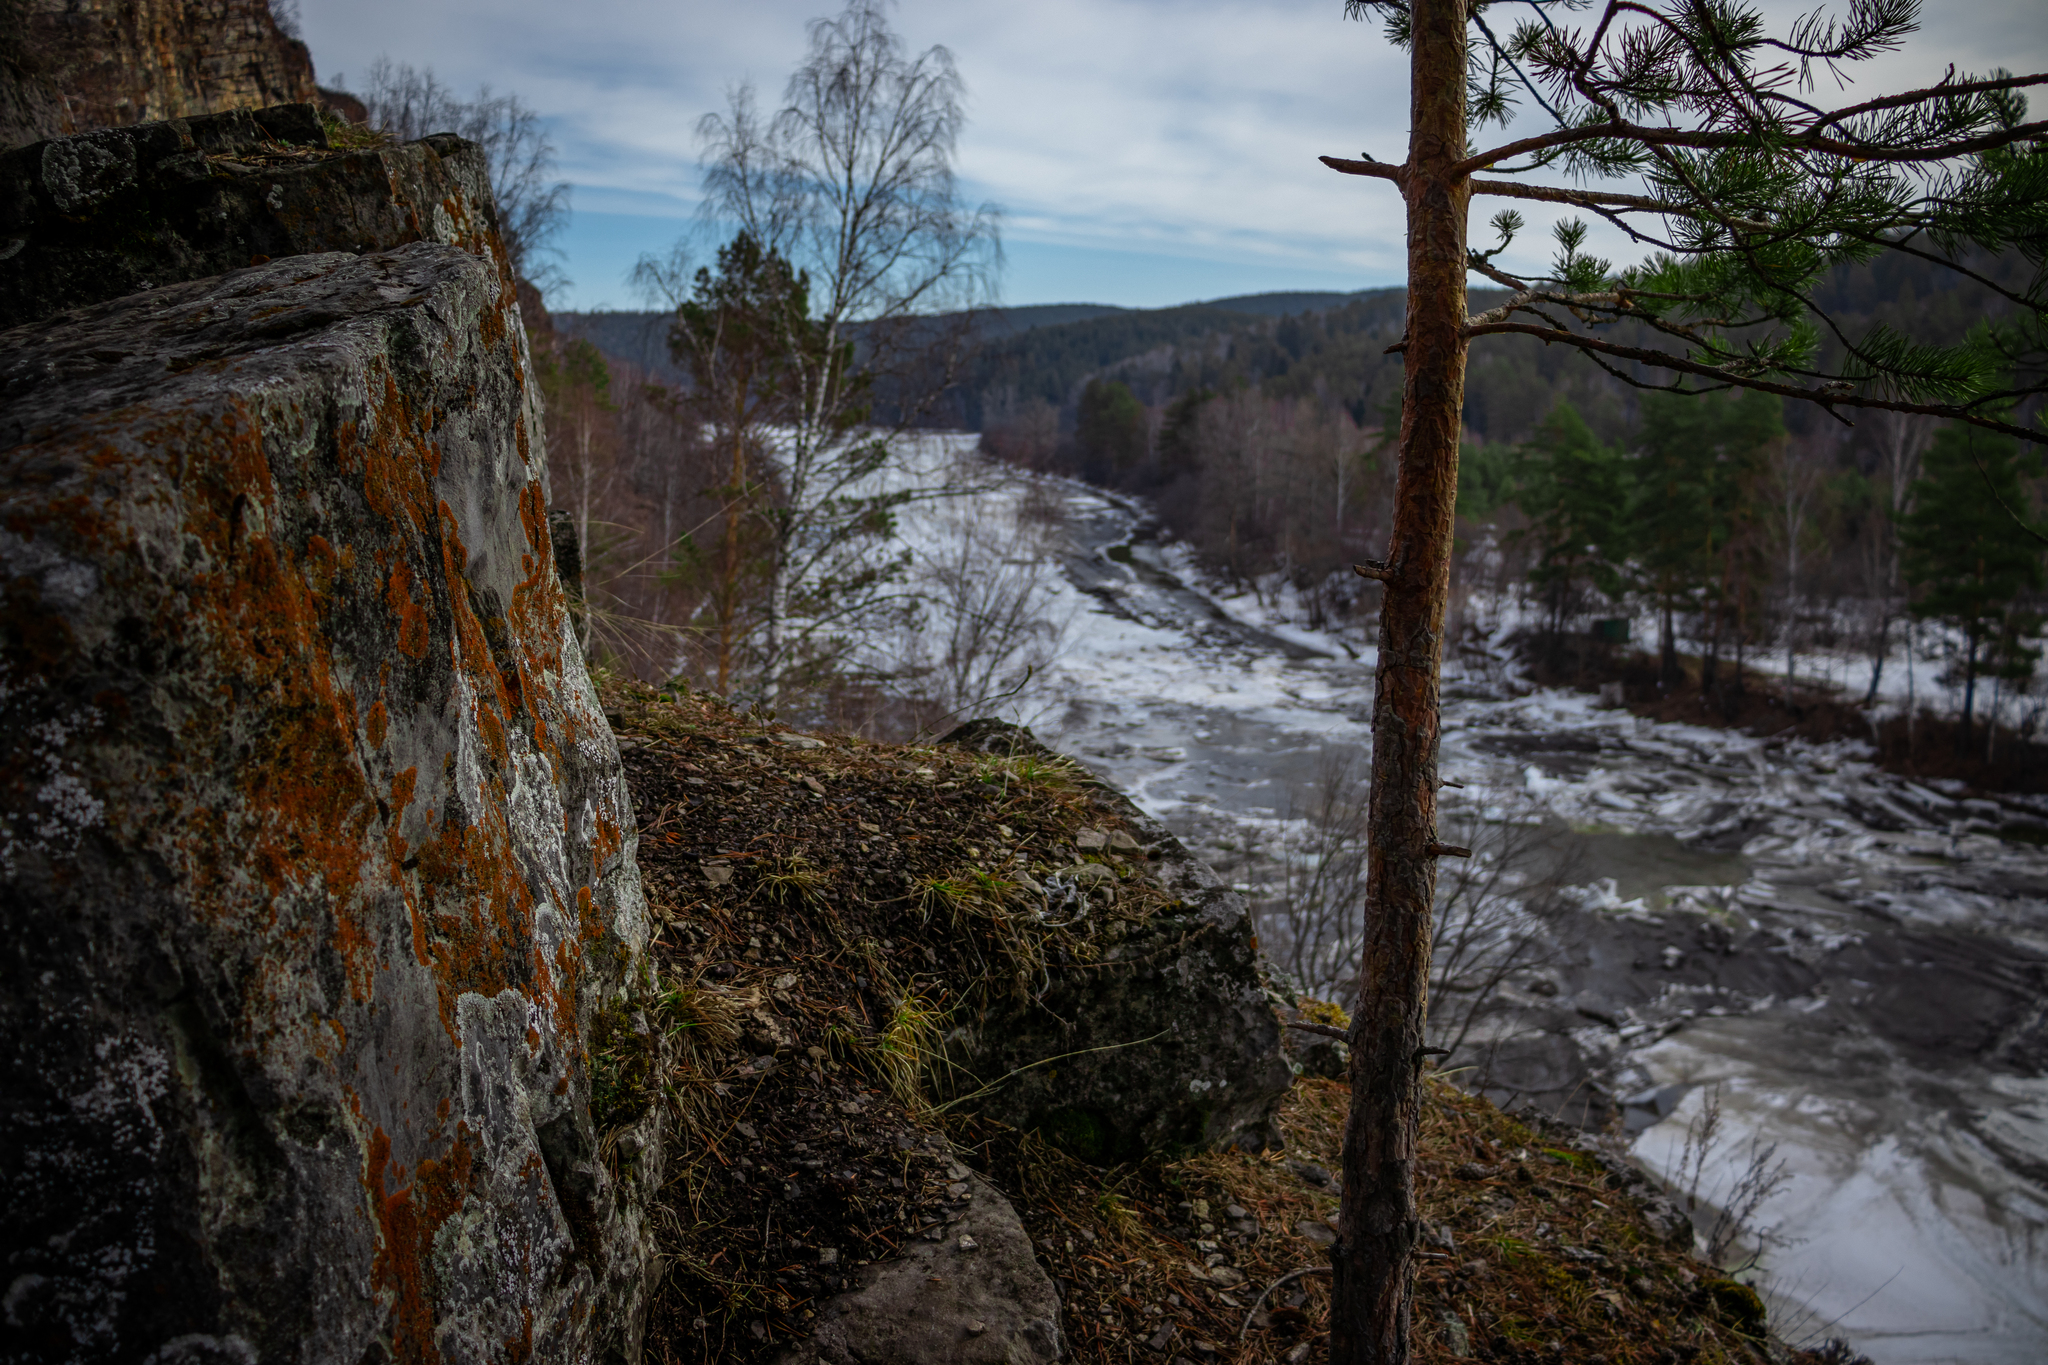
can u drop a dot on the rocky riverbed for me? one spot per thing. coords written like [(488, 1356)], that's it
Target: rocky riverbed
[(1849, 966)]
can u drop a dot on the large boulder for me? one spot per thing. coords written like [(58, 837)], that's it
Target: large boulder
[(1170, 1043), (104, 214), (316, 859), (968, 1291)]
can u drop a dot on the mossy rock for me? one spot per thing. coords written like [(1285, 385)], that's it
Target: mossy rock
[(1168, 1044), (1736, 1304), (1083, 1134)]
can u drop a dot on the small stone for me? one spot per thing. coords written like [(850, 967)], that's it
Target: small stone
[(967, 1243), (1234, 1212), (718, 874), (785, 981), (975, 1329), (1322, 1234), (1091, 839), (1122, 842), (851, 1107), (828, 1256), (817, 788), (867, 828), (1457, 1336), (1161, 1337)]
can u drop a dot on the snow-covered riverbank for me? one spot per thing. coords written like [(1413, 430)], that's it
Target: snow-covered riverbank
[(1855, 966)]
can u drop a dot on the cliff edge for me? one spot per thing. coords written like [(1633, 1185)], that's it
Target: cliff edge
[(70, 66), (315, 855)]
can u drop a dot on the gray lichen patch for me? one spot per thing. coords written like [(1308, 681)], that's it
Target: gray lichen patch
[(118, 211), (319, 855)]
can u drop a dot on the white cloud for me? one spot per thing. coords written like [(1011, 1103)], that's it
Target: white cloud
[(1188, 128)]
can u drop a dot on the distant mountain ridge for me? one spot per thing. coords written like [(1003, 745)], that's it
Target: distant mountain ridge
[(1087, 336)]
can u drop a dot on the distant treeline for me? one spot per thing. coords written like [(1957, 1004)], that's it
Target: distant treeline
[(1262, 429), (1740, 524)]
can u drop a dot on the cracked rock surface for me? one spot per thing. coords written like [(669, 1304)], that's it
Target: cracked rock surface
[(315, 853), (101, 215), (968, 1292)]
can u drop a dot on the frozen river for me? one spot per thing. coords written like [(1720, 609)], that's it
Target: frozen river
[(1853, 967)]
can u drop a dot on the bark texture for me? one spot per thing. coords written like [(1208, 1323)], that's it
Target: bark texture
[(1373, 1260)]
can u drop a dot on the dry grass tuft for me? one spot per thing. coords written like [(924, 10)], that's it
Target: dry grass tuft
[(1534, 1251)]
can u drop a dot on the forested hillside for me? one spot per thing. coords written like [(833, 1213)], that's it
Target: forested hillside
[(1736, 526), (1257, 427)]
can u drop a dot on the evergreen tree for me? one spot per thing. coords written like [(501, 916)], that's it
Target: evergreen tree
[(1747, 189), (746, 339), (1110, 429), (1486, 479), (1176, 442), (1694, 513), (1967, 560), (1574, 490)]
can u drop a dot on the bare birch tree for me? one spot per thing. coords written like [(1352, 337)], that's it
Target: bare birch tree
[(1901, 440), (851, 181), (533, 206)]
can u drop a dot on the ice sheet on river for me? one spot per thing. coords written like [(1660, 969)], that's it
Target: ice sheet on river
[(1860, 962)]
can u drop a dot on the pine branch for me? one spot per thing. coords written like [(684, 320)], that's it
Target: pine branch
[(1597, 199), (1381, 170), (1706, 141), (1828, 396)]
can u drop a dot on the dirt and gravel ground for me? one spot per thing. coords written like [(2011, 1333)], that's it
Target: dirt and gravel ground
[(826, 904)]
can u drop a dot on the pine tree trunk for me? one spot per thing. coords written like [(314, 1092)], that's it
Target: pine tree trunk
[(1373, 1260)]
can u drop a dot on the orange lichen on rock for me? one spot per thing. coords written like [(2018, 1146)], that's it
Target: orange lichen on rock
[(326, 863)]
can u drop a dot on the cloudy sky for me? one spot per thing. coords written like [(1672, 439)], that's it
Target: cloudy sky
[(1144, 152)]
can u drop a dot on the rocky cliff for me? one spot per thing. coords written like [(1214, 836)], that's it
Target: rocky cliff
[(315, 857), (98, 216), (68, 66)]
